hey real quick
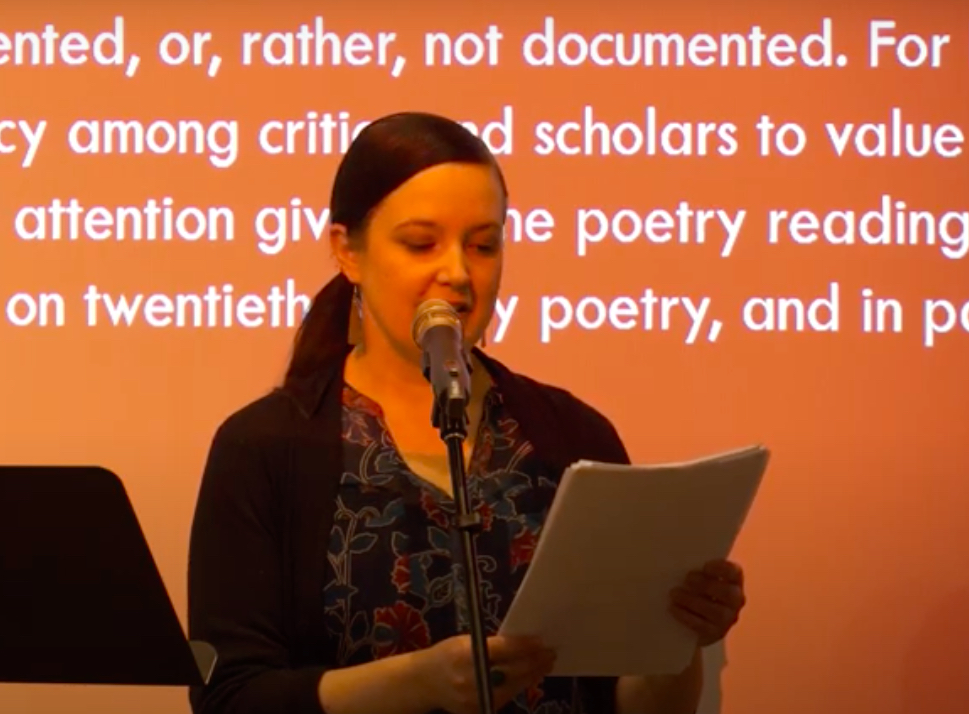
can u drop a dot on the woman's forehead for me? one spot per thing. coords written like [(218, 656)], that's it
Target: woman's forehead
[(446, 193)]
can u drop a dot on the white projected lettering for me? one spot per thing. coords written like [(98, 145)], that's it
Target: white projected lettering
[(43, 310), (277, 227), (312, 45), (554, 47), (794, 314), (908, 49), (684, 225), (315, 133), (536, 225), (896, 137), (647, 312), (891, 224), (942, 316), (217, 141), (22, 138), (326, 133), (467, 49), (71, 220), (216, 307), (690, 179), (52, 45), (590, 136)]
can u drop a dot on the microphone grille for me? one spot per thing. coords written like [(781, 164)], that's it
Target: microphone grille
[(430, 314)]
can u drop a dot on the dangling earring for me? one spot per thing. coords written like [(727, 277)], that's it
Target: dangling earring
[(355, 336), (484, 339), (357, 300)]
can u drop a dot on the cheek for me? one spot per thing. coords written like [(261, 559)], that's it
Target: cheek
[(487, 278), (394, 293), (486, 286), (394, 274)]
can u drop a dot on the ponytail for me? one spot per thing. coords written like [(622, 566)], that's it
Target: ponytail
[(324, 332)]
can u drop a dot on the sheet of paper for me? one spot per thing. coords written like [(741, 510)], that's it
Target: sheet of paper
[(617, 540)]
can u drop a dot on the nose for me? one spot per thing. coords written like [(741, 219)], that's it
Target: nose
[(453, 270)]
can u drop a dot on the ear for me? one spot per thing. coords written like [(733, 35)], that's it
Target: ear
[(346, 257)]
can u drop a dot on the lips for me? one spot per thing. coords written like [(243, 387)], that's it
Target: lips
[(462, 308)]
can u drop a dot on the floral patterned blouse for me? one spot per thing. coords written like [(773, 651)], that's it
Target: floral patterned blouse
[(395, 581)]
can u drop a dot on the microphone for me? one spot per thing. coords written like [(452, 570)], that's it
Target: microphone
[(438, 331)]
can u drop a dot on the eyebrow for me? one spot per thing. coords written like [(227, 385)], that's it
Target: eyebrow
[(424, 223)]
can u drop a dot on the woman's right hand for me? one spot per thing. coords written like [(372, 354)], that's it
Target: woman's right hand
[(448, 671)]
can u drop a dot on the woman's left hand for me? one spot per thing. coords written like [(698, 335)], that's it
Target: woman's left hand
[(710, 600)]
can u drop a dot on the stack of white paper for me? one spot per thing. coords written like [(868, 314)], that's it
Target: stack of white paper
[(617, 540)]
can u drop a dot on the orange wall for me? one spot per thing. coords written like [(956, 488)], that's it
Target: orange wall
[(856, 552)]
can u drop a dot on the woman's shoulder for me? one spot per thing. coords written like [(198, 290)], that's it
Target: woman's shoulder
[(585, 420), (552, 407), (518, 385), (563, 402), (270, 417)]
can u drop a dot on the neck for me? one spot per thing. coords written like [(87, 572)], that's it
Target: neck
[(385, 373)]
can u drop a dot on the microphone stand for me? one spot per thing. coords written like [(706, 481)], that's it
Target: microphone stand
[(449, 415)]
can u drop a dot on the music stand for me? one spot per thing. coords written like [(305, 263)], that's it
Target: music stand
[(81, 598)]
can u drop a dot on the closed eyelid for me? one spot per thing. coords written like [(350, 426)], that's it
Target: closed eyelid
[(422, 236)]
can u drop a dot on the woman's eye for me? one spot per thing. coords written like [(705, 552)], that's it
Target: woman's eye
[(486, 247), (419, 246)]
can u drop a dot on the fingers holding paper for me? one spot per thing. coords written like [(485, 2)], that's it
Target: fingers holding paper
[(710, 600)]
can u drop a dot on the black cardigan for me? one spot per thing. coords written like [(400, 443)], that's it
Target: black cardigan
[(257, 561)]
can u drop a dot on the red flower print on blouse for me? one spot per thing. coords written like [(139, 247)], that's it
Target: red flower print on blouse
[(433, 509), (398, 629), (487, 513), (357, 419), (401, 575), (522, 548)]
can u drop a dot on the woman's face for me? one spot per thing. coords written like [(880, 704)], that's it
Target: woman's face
[(439, 235)]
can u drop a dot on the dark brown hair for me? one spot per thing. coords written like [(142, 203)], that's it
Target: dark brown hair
[(385, 154)]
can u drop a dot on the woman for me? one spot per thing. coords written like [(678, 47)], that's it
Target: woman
[(321, 557)]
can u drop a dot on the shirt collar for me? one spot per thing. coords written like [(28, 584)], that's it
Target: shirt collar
[(308, 393)]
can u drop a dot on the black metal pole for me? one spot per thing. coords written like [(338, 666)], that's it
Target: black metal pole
[(450, 417)]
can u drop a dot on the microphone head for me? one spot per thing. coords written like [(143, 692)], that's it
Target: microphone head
[(432, 313)]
